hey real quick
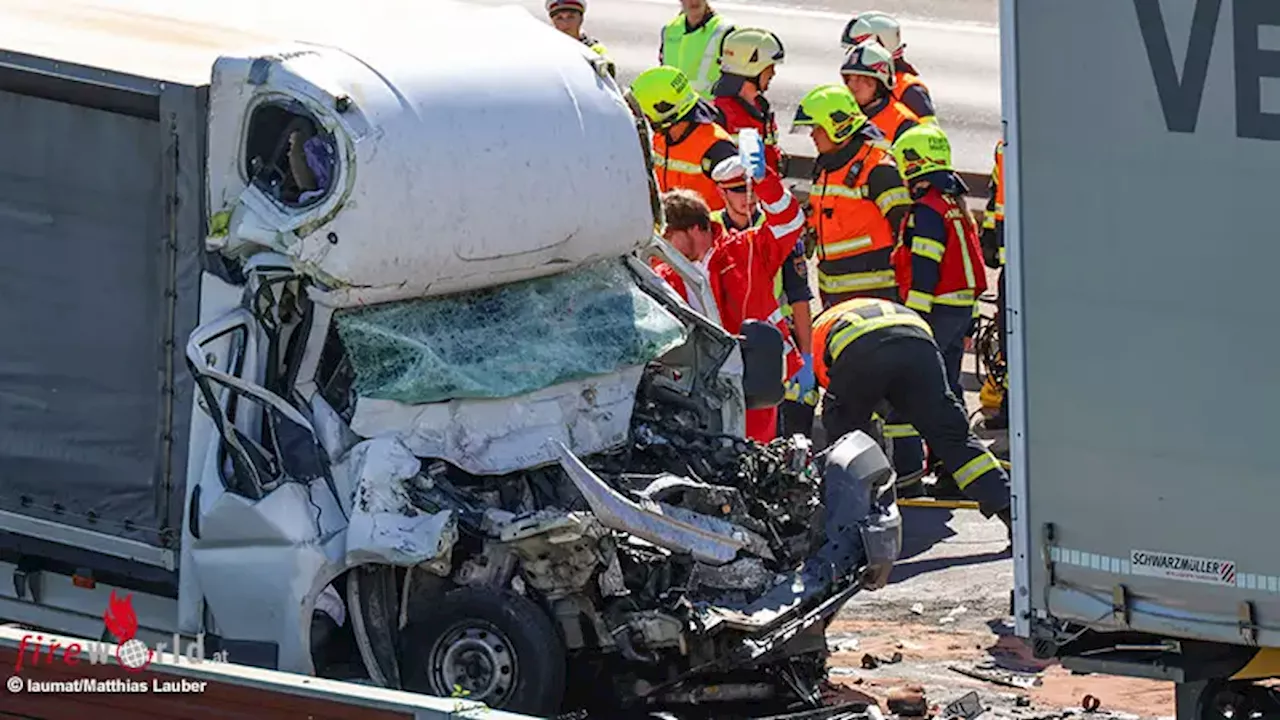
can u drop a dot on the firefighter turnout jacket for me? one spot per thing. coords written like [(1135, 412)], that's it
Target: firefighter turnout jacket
[(911, 91), (856, 202), (687, 159), (892, 116), (737, 113), (993, 218), (939, 261)]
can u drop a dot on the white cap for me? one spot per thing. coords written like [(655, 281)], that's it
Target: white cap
[(728, 170)]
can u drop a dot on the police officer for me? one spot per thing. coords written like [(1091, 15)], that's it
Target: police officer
[(938, 263), (908, 89), (869, 352), (750, 57), (868, 73), (692, 42), (857, 201), (688, 142), (567, 16)]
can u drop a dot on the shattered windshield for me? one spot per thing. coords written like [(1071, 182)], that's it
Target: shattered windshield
[(508, 340)]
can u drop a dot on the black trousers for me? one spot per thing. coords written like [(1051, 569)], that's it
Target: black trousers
[(908, 373)]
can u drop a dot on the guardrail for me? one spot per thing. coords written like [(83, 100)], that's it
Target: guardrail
[(62, 677), (800, 167)]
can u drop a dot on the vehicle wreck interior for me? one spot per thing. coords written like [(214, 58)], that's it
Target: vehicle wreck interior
[(288, 155)]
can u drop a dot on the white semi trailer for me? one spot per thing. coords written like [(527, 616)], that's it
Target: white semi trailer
[(1142, 175)]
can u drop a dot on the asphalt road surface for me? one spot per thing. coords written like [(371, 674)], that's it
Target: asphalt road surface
[(954, 43)]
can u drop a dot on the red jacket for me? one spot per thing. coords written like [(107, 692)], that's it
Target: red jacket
[(741, 269), (737, 114), (939, 261)]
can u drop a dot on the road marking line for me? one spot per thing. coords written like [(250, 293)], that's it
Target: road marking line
[(958, 26)]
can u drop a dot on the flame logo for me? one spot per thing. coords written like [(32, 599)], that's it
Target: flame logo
[(120, 618)]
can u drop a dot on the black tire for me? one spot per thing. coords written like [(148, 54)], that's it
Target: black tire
[(480, 628)]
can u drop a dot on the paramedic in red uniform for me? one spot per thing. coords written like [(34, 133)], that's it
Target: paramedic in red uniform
[(740, 265)]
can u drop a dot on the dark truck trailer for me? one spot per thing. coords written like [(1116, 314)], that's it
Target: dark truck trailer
[(102, 208), (1141, 182)]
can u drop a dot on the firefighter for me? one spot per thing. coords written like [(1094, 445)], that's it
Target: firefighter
[(791, 288), (750, 59), (692, 42), (938, 263), (908, 89), (740, 264), (688, 142), (567, 16), (868, 73), (869, 352), (857, 201), (993, 255)]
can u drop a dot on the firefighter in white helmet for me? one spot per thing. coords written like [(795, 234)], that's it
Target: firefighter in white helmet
[(908, 89), (749, 60), (868, 73), (567, 16)]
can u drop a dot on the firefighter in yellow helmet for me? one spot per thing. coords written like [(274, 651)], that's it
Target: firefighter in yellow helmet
[(870, 352), (908, 89), (567, 16), (868, 73), (857, 201), (688, 142)]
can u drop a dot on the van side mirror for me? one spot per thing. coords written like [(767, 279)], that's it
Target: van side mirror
[(762, 364)]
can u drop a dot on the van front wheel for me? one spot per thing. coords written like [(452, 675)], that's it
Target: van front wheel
[(494, 647)]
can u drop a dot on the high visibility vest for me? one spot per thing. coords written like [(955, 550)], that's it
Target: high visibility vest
[(840, 325), (894, 119), (848, 223), (697, 53), (778, 291), (903, 80), (961, 274), (997, 184), (680, 165)]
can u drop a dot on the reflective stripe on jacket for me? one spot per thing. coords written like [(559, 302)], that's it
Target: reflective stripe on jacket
[(850, 225), (840, 326), (681, 164), (960, 274)]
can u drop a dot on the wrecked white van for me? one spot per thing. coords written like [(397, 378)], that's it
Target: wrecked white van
[(350, 361)]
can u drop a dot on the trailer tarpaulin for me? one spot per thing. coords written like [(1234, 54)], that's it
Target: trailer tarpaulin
[(98, 288)]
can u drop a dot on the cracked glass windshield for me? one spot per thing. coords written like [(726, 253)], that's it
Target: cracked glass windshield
[(509, 340)]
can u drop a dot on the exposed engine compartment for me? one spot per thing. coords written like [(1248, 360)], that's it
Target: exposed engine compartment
[(699, 568)]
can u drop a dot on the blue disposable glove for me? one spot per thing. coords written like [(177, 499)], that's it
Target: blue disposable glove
[(804, 376)]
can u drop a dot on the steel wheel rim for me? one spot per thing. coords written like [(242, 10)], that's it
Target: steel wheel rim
[(473, 660)]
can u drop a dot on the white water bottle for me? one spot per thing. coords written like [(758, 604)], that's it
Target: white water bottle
[(751, 153)]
